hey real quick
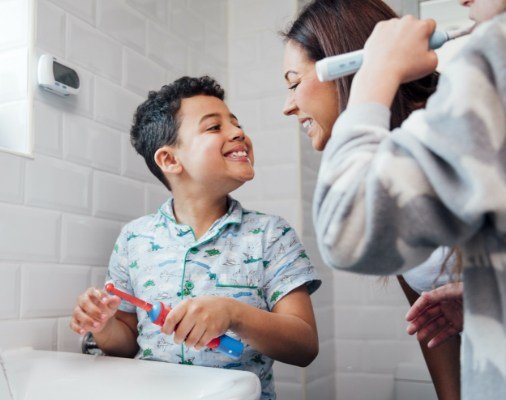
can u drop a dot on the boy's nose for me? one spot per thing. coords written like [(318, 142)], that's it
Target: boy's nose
[(237, 135)]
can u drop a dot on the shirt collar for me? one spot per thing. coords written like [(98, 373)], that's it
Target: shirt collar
[(232, 216)]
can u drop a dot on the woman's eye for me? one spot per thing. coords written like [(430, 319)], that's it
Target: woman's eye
[(292, 87)]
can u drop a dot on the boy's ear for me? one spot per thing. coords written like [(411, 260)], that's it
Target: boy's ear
[(167, 161)]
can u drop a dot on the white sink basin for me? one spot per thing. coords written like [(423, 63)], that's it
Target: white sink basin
[(46, 375)]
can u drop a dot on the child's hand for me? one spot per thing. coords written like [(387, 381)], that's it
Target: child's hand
[(399, 48), (198, 321), (93, 310)]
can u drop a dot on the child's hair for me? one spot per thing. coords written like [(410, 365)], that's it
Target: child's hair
[(156, 122), (327, 28)]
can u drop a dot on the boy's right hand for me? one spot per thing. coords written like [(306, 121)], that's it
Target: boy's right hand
[(93, 310)]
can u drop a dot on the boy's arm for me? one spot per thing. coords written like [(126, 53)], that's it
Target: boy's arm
[(119, 336), (287, 333)]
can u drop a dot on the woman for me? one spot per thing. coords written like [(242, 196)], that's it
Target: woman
[(439, 179), (329, 27)]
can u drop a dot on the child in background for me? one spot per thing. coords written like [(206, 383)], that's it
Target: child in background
[(218, 266), (385, 200)]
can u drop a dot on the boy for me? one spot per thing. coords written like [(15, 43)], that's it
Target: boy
[(218, 266), (439, 180)]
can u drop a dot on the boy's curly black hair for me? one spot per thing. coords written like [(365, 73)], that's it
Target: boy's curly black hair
[(155, 121)]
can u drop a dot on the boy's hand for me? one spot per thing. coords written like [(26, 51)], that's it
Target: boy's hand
[(437, 314), (198, 321), (400, 48), (93, 310)]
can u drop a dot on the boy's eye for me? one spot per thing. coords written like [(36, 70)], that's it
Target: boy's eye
[(214, 128)]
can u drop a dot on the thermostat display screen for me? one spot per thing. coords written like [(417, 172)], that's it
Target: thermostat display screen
[(65, 75)]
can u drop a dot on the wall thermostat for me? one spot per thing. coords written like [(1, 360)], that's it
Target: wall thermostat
[(56, 77)]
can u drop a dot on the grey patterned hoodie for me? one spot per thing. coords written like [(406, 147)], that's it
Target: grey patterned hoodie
[(385, 200)]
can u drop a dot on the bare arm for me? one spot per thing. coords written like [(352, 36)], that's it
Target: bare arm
[(287, 334), (119, 336)]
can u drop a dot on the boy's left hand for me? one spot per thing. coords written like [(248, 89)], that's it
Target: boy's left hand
[(197, 321)]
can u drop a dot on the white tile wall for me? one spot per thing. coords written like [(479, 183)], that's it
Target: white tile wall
[(16, 25), (116, 197), (51, 290), (9, 291), (92, 144), (84, 9), (51, 24), (87, 240), (39, 334), (57, 184), (48, 122), (13, 25), (11, 176), (29, 233), (122, 22), (115, 105), (13, 75), (94, 50)]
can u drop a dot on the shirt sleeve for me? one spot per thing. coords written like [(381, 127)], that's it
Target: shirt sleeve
[(286, 263), (117, 273), (436, 271), (385, 200)]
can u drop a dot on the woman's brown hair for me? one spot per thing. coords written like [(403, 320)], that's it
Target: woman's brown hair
[(330, 27)]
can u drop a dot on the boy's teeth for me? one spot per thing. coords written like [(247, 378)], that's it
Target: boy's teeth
[(307, 124)]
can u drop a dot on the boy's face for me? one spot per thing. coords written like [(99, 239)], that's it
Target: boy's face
[(483, 10), (212, 147)]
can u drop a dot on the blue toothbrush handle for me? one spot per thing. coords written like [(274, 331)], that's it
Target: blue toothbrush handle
[(231, 347)]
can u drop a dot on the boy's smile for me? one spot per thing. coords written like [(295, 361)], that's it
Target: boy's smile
[(238, 153)]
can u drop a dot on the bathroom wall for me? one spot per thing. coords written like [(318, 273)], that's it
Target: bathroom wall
[(16, 25)]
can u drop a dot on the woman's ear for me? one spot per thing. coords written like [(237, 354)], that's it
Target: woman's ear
[(167, 161)]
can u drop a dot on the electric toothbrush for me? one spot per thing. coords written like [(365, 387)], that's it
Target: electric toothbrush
[(158, 312), (335, 67)]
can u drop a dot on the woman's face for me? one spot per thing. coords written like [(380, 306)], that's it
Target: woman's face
[(315, 103)]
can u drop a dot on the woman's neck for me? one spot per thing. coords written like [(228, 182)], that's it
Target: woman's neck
[(199, 212)]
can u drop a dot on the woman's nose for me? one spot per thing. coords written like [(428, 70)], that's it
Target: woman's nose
[(289, 106)]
